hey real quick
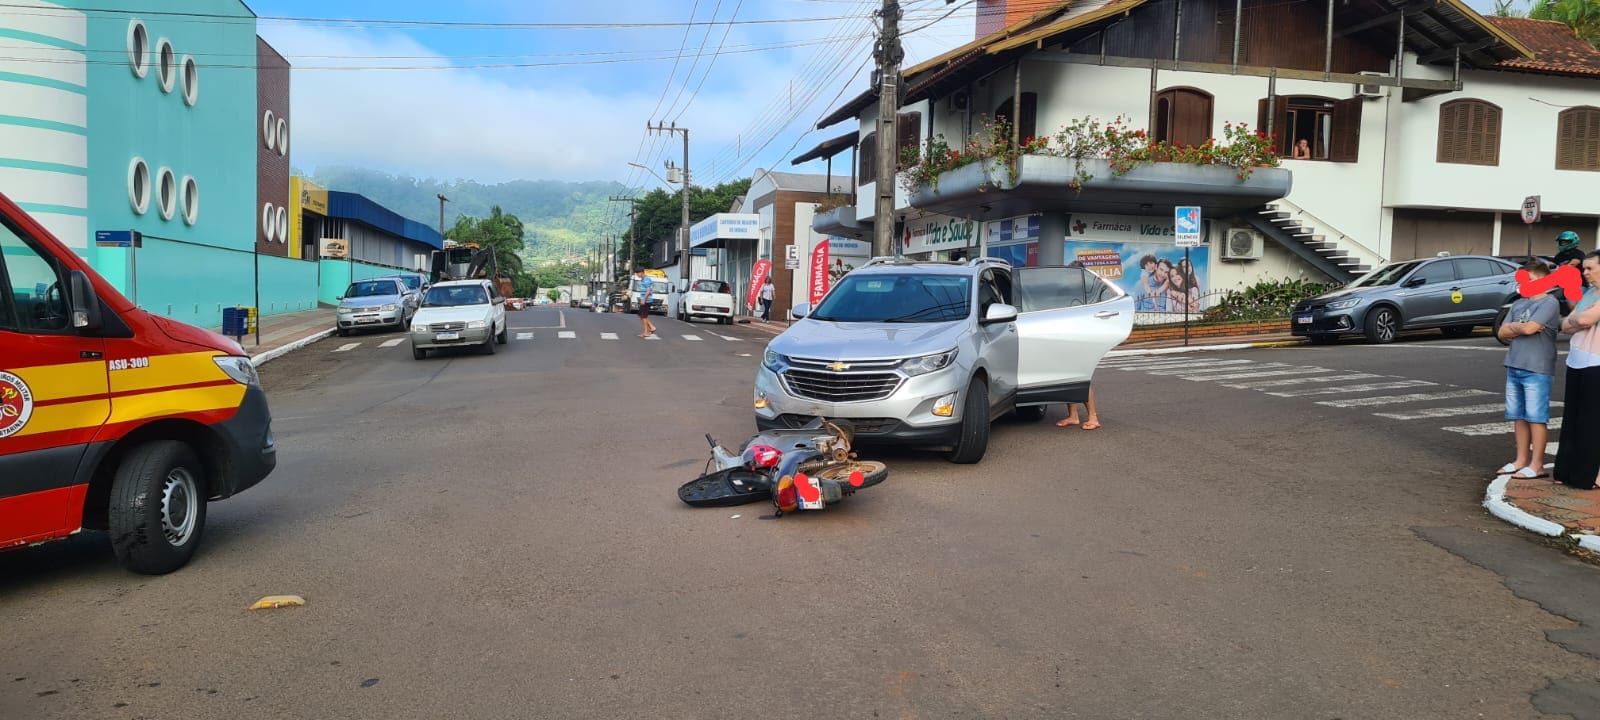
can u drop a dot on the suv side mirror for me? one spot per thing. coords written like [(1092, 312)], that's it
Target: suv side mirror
[(801, 311), (85, 302), (999, 313)]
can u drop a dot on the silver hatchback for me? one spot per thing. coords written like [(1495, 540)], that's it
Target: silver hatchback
[(930, 353)]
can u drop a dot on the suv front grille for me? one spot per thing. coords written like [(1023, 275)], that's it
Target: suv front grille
[(829, 386), (447, 326)]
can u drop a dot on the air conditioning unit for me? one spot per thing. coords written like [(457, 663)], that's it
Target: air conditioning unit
[(958, 102), (1371, 90), (1242, 244)]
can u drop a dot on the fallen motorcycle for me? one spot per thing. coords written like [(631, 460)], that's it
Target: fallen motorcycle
[(806, 468)]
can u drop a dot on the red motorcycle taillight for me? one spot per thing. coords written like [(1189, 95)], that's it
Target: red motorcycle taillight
[(763, 456), (785, 495)]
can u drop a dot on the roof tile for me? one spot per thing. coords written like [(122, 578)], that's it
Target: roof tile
[(1557, 49)]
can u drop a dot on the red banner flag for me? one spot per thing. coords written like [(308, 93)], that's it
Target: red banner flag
[(758, 277), (819, 272)]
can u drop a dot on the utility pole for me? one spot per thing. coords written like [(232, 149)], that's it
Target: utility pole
[(683, 267), (631, 252), (442, 201), (888, 54)]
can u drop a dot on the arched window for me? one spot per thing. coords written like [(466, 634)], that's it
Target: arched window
[(1469, 132), (1578, 139), (1183, 116)]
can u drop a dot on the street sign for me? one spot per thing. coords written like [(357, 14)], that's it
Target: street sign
[(1530, 209), (1186, 224), (792, 261), (118, 238)]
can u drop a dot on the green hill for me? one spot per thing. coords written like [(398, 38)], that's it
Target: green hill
[(562, 219)]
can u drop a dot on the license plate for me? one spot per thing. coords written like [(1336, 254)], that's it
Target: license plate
[(819, 503), (1303, 319), (447, 336)]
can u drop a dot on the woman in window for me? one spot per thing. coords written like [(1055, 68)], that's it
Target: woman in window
[(1302, 150)]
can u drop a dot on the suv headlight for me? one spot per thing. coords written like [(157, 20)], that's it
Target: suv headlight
[(1344, 304), (774, 361), (477, 324), (927, 363), (238, 368)]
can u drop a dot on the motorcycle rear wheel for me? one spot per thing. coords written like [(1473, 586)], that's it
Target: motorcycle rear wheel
[(872, 472)]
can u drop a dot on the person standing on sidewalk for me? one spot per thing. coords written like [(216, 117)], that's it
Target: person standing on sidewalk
[(646, 292), (1578, 457), (1530, 327), (766, 300)]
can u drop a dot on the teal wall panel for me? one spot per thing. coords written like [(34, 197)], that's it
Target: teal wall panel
[(191, 283), (287, 285)]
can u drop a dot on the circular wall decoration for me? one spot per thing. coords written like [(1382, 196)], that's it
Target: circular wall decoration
[(166, 64), (269, 129), (139, 185), (191, 200), (166, 193), (191, 80), (283, 225), (283, 136), (269, 221), (138, 48)]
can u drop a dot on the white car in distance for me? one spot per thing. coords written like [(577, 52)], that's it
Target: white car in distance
[(705, 299), (460, 313)]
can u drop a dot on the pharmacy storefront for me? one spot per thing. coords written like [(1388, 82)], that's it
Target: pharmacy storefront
[(1137, 253), (938, 237)]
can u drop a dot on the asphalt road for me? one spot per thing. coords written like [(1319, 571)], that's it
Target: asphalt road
[(488, 537)]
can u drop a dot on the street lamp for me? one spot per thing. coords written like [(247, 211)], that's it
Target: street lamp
[(652, 172)]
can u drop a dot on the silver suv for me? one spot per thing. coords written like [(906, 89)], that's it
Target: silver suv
[(930, 353)]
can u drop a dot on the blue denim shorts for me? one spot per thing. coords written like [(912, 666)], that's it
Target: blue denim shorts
[(1527, 396)]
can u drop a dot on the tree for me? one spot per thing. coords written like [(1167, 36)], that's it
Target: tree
[(659, 214), (501, 231)]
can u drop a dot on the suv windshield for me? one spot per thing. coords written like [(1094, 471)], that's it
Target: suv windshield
[(456, 296), (372, 288), (711, 286), (1387, 275), (897, 298)]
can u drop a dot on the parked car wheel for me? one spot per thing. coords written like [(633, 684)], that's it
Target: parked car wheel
[(488, 345), (1031, 413), (1457, 331), (1383, 324), (418, 353), (504, 336), (974, 440), (341, 332), (158, 507), (725, 321)]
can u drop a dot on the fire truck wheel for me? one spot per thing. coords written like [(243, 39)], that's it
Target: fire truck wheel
[(158, 507)]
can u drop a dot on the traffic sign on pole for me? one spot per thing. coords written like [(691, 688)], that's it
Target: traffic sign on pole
[(118, 238), (1186, 221), (1530, 209)]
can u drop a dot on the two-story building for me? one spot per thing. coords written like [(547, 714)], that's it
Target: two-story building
[(1424, 126)]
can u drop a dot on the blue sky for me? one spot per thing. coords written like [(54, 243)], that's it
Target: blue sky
[(582, 120)]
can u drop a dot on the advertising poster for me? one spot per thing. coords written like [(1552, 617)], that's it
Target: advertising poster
[(819, 272), (844, 255), (758, 276), (1154, 274)]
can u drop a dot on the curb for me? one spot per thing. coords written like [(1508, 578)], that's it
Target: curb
[(1494, 498), (1135, 352), (280, 351)]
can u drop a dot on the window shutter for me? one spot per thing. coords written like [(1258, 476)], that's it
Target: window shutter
[(1491, 135), (867, 156), (1279, 109), (1346, 130), (1578, 139), (908, 129), (1449, 133), (1472, 113)]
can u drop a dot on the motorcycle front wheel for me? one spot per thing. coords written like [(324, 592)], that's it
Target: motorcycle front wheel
[(872, 473)]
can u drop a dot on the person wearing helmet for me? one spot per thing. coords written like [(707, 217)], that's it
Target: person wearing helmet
[(1569, 253)]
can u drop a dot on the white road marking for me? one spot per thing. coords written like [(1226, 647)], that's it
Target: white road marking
[(392, 343), (1397, 399), (652, 337), (563, 315), (729, 338), (1550, 448), (692, 337), (608, 336), (1186, 364), (525, 336), (1300, 381), (568, 335), (1504, 427), (347, 347), (1369, 387), (1251, 376), (1196, 370), (1483, 348), (1449, 411), (1155, 362)]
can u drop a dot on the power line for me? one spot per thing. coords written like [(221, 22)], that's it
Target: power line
[(704, 40)]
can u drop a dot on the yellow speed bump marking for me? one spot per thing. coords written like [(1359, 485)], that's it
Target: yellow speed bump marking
[(277, 601)]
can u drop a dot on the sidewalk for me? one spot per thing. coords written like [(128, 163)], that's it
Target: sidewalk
[(1547, 508), (287, 332)]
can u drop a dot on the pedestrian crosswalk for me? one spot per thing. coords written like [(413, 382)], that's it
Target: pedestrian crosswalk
[(1464, 411), (536, 335)]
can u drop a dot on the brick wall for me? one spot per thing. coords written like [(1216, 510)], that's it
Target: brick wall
[(782, 238), (1210, 330), (272, 167)]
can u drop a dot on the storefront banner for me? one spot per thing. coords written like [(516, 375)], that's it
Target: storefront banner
[(1152, 273), (819, 272), (1120, 228), (1023, 255), (935, 233), (1013, 230), (846, 255), (758, 277), (725, 226)]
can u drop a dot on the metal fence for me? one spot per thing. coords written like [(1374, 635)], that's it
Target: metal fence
[(1219, 306)]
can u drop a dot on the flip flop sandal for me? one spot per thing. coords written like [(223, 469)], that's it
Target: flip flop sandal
[(1528, 473), (1507, 469)]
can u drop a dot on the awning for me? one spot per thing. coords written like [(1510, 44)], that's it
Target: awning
[(829, 148)]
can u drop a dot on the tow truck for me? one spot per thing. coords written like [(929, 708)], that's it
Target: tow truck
[(465, 261)]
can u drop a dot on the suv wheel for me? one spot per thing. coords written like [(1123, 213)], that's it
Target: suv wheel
[(974, 440), (1383, 324)]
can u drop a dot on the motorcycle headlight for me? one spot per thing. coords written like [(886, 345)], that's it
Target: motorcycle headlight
[(238, 368), (927, 363), (774, 361), (1344, 304), (477, 325)]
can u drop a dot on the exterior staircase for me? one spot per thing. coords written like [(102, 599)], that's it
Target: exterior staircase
[(1318, 243)]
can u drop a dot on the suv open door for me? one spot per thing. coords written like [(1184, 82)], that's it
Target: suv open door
[(1068, 319)]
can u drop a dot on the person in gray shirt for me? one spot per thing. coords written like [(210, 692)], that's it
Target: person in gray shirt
[(1530, 326)]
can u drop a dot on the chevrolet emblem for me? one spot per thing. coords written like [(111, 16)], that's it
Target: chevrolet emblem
[(839, 367)]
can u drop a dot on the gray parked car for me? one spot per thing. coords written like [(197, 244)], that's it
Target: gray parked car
[(930, 353), (1454, 294), (375, 303)]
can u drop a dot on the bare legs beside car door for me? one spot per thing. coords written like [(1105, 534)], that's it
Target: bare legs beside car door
[(1072, 414)]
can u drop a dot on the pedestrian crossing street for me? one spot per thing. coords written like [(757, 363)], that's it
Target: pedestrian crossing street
[(1464, 411), (527, 335)]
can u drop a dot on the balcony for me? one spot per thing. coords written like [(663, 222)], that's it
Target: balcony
[(841, 221)]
